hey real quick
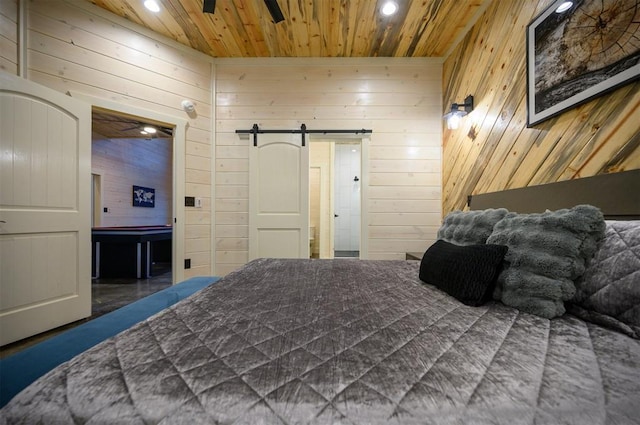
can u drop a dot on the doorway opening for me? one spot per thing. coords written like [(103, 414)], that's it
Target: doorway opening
[(132, 160), (336, 193)]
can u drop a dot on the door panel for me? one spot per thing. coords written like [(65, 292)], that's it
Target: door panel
[(45, 223), (278, 243), (279, 197), (279, 181)]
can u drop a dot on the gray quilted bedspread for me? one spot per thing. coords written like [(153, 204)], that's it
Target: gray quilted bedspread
[(610, 287), (341, 342)]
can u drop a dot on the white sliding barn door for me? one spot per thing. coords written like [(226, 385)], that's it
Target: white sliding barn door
[(45, 224), (279, 197)]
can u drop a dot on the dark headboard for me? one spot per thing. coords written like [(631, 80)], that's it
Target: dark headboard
[(616, 194)]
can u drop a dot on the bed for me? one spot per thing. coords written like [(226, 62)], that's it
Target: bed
[(284, 341)]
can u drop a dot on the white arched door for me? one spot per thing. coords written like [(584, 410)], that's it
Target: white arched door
[(45, 223), (279, 197)]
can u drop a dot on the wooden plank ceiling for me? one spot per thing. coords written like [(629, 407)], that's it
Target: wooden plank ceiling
[(311, 28)]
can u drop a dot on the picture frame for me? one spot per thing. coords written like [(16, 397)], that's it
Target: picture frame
[(144, 197), (577, 54)]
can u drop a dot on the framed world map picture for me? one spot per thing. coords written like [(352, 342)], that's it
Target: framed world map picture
[(144, 197), (577, 50)]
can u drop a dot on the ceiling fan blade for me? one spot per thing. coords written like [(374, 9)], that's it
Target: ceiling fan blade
[(209, 6), (131, 128), (275, 11), (166, 130)]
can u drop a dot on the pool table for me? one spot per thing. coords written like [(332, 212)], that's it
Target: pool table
[(129, 251)]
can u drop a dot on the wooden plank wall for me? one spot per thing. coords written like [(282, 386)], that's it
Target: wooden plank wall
[(493, 149), (9, 36), (399, 99), (123, 163), (73, 48)]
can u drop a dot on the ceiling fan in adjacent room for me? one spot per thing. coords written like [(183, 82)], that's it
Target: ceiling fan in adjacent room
[(209, 6), (116, 127), (152, 131)]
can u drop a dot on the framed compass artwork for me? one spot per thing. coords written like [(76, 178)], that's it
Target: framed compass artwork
[(577, 50)]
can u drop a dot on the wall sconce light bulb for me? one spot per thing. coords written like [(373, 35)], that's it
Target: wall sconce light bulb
[(453, 122), (455, 114)]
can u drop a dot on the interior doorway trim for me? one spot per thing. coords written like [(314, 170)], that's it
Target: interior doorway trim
[(179, 141), (364, 197), (96, 197)]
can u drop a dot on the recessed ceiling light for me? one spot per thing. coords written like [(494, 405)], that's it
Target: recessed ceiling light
[(389, 8), (152, 5), (150, 130), (564, 6)]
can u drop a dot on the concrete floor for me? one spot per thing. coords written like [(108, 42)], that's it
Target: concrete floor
[(110, 294), (107, 295)]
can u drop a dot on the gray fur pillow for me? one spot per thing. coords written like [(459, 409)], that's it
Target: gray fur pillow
[(610, 286), (470, 227), (547, 253)]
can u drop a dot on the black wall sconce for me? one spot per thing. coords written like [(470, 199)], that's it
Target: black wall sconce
[(454, 115)]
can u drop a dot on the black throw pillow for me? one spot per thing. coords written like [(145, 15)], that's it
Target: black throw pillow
[(467, 273)]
